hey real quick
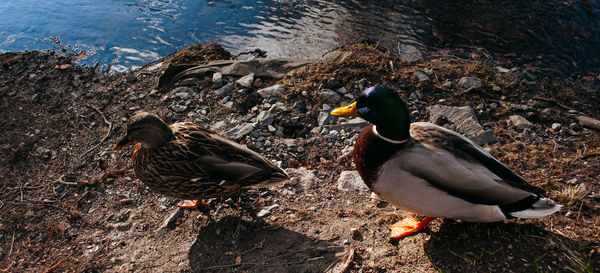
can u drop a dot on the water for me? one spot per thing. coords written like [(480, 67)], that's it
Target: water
[(563, 35)]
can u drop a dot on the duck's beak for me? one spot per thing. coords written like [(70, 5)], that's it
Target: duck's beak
[(345, 111), (122, 143)]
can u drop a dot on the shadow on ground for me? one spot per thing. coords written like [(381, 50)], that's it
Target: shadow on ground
[(504, 247), (234, 244)]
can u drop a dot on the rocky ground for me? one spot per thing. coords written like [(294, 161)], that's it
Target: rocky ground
[(69, 203)]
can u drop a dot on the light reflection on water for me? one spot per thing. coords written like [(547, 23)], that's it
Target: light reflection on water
[(130, 33)]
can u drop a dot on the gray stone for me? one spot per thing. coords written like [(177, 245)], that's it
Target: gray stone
[(266, 211), (305, 178), (519, 122), (246, 81), (225, 89), (240, 131), (182, 89), (271, 91), (465, 121), (409, 53), (153, 93), (342, 90), (329, 95), (502, 69), (183, 95), (470, 82), (218, 125), (265, 117), (421, 76), (324, 118), (521, 107), (556, 126), (178, 108), (169, 221), (271, 128), (217, 79), (355, 124), (351, 180)]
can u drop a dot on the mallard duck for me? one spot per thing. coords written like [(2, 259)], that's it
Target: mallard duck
[(185, 160), (429, 170)]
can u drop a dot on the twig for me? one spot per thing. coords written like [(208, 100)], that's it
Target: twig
[(61, 181), (12, 243), (50, 269), (344, 265), (110, 125)]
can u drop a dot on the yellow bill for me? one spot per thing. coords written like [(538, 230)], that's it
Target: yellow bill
[(345, 111)]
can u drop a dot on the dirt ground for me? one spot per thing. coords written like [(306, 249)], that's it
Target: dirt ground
[(68, 203)]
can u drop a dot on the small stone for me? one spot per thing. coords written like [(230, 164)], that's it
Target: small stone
[(470, 82), (169, 222), (342, 90), (330, 96), (183, 95), (502, 69), (271, 91), (271, 129), (266, 211), (409, 53), (575, 126), (306, 178), (240, 131), (324, 118), (153, 93), (178, 108), (218, 125), (300, 149), (225, 89), (265, 117), (519, 122), (556, 126), (421, 76), (246, 81), (44, 152), (350, 180), (217, 79)]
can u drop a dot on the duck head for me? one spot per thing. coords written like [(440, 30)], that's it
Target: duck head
[(147, 129), (382, 107)]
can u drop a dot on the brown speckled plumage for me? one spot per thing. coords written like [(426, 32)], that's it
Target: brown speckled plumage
[(195, 163)]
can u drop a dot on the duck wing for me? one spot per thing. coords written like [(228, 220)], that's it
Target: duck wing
[(455, 164), (201, 155)]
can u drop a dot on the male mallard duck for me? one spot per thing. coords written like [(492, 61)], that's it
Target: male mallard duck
[(433, 171), (186, 161)]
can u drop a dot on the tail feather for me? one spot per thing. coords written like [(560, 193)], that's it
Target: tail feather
[(541, 208)]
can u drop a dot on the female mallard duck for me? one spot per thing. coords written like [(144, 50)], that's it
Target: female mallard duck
[(433, 171), (186, 161)]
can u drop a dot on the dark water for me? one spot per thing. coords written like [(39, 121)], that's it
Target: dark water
[(562, 35)]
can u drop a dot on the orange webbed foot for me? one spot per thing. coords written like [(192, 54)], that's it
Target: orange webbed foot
[(408, 226), (190, 204)]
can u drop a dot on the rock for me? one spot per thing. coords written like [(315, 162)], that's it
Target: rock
[(183, 95), (521, 107), (271, 91), (421, 76), (264, 212), (470, 82), (153, 93), (502, 69), (305, 178), (575, 126), (342, 90), (556, 126), (178, 108), (355, 124), (246, 81), (465, 121), (240, 131), (44, 152), (265, 117), (217, 79), (271, 128), (329, 95), (218, 125), (409, 53), (350, 180), (169, 222), (324, 118), (519, 122), (225, 89), (589, 122), (120, 226), (182, 89)]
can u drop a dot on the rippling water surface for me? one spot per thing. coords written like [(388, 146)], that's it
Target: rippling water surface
[(128, 33)]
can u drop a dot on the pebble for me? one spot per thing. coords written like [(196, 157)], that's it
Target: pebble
[(330, 96), (246, 81), (556, 126), (265, 117), (266, 211), (271, 128), (323, 118), (300, 149), (421, 76), (225, 89), (350, 180), (179, 108), (271, 91), (240, 131), (470, 82), (575, 126), (217, 79), (519, 122)]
